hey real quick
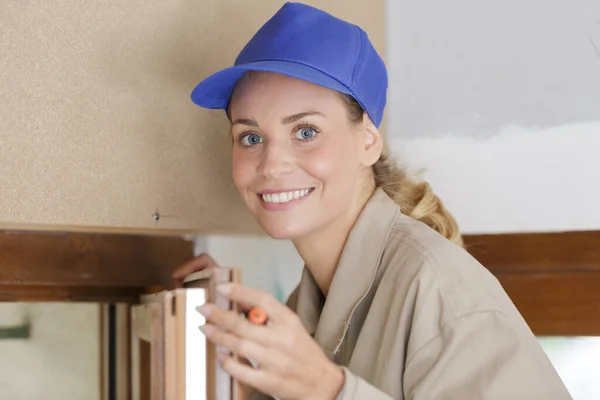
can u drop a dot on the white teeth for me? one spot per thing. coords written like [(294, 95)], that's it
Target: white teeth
[(284, 197)]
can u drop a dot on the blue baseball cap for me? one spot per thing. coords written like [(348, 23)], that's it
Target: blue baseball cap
[(308, 44)]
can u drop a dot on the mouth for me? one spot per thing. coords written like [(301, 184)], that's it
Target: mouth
[(278, 197)]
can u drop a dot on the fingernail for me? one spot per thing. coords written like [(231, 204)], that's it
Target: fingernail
[(204, 310), (206, 329), (221, 357), (224, 288)]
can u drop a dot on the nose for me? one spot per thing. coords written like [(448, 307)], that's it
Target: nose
[(276, 161)]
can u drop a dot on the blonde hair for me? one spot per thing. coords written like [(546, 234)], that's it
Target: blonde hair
[(416, 199)]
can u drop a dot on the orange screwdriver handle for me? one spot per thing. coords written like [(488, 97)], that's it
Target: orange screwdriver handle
[(257, 316)]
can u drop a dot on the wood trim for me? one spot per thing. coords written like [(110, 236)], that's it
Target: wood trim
[(48, 293), (537, 252), (553, 278), (145, 376), (123, 351), (560, 304), (140, 363), (80, 266), (107, 230)]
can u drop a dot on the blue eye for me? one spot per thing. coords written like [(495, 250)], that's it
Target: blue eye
[(305, 133), (251, 139)]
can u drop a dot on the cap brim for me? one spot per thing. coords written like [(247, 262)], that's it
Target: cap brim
[(215, 91)]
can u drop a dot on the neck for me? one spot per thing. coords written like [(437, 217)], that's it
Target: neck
[(321, 251)]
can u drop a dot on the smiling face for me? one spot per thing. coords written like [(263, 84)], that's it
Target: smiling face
[(299, 163)]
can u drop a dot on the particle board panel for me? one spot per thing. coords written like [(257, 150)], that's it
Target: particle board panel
[(96, 125)]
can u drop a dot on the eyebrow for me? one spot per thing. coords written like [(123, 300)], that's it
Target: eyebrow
[(245, 121), (293, 118), (286, 120)]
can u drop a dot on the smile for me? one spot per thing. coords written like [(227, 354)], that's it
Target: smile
[(285, 197)]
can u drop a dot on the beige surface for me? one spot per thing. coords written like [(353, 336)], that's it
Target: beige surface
[(96, 125)]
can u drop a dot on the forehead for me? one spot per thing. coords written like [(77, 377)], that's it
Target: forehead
[(265, 91)]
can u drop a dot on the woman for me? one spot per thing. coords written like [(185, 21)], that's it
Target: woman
[(390, 306)]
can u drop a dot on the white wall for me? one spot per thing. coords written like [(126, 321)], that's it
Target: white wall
[(520, 179), (60, 360), (499, 103), (266, 264)]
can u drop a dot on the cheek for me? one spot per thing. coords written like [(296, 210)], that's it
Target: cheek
[(322, 168), (242, 169), (333, 165)]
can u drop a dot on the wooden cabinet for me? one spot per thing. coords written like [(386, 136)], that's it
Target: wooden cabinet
[(96, 123)]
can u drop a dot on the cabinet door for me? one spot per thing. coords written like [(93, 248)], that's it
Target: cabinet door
[(96, 123)]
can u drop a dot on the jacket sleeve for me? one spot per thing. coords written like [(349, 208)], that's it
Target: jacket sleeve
[(356, 388), (482, 355)]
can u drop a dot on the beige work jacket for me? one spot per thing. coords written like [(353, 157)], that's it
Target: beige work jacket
[(410, 315)]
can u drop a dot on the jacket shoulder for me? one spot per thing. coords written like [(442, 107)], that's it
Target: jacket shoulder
[(461, 284)]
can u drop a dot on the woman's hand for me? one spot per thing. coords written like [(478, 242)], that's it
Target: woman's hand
[(199, 263), (291, 365)]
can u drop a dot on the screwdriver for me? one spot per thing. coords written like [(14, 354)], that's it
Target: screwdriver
[(256, 315)]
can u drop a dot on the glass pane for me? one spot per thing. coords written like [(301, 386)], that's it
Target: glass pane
[(577, 360)]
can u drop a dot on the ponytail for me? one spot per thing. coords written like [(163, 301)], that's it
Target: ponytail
[(416, 199)]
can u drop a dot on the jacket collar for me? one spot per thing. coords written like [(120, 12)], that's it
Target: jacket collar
[(328, 319)]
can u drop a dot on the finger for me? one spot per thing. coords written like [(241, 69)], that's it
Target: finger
[(269, 336), (235, 344), (260, 379), (199, 263), (249, 297), (233, 322), (225, 319)]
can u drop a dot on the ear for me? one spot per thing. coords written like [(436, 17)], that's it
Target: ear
[(372, 146)]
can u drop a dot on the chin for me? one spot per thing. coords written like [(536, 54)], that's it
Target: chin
[(283, 230)]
